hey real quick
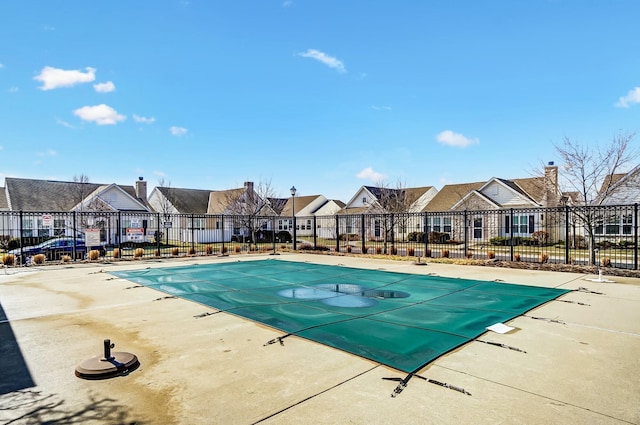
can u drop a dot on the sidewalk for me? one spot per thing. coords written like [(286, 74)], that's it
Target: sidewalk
[(581, 363)]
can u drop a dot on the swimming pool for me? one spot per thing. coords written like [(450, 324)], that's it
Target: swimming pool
[(401, 320)]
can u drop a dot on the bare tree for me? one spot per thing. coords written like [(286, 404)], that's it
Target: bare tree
[(250, 207), (81, 188), (166, 207), (393, 204), (591, 172)]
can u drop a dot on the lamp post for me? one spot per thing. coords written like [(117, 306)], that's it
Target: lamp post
[(293, 213)]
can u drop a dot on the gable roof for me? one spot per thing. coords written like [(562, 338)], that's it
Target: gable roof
[(476, 194), (301, 202), (449, 195), (219, 199), (611, 180), (186, 201), (532, 187), (44, 195), (52, 195), (277, 204), (4, 205)]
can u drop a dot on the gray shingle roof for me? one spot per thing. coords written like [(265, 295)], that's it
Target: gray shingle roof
[(187, 201), (3, 199), (51, 195)]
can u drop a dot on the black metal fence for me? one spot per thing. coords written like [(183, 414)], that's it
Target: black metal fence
[(606, 236)]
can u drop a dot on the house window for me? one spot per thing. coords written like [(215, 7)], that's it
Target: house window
[(522, 224), (627, 223), (364, 199), (198, 223), (308, 224), (436, 224), (612, 226), (58, 227), (376, 228), (27, 227), (42, 231), (218, 224), (446, 221), (477, 228)]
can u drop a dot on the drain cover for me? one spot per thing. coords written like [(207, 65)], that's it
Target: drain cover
[(107, 366)]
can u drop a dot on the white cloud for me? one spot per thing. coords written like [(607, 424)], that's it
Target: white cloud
[(48, 28), (13, 89), (450, 138), (287, 3), (160, 173), (369, 174), (330, 61), (632, 97), (63, 123), (104, 87), (49, 152), (178, 131), (1, 147), (100, 114), (1, 66), (53, 78), (144, 120), (381, 108)]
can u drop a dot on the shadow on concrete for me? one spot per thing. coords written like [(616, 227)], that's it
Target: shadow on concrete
[(34, 407), (15, 374)]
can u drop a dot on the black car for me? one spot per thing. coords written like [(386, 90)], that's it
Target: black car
[(55, 249)]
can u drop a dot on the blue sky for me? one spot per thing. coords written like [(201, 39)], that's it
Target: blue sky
[(326, 95)]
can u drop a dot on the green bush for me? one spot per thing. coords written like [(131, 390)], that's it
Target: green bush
[(13, 243), (352, 237), (625, 244), (499, 240)]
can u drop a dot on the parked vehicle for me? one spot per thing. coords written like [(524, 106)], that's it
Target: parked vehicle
[(55, 249)]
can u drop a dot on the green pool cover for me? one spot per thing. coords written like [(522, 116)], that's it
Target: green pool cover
[(404, 321)]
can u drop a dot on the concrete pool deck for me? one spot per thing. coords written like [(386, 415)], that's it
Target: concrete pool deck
[(582, 364)]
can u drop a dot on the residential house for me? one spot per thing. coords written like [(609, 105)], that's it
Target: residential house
[(252, 216), (619, 193), (44, 208), (377, 203), (497, 207), (181, 213), (306, 207), (325, 218)]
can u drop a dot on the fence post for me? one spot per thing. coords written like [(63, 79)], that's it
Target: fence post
[(75, 234), (566, 234), (466, 232), (222, 228), (635, 236), (425, 234), (193, 233), (337, 233), (315, 232), (158, 235), (363, 247), (21, 238), (119, 230), (511, 234), (393, 233)]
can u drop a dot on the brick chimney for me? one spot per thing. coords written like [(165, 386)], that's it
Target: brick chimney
[(141, 189), (551, 197), (248, 186)]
